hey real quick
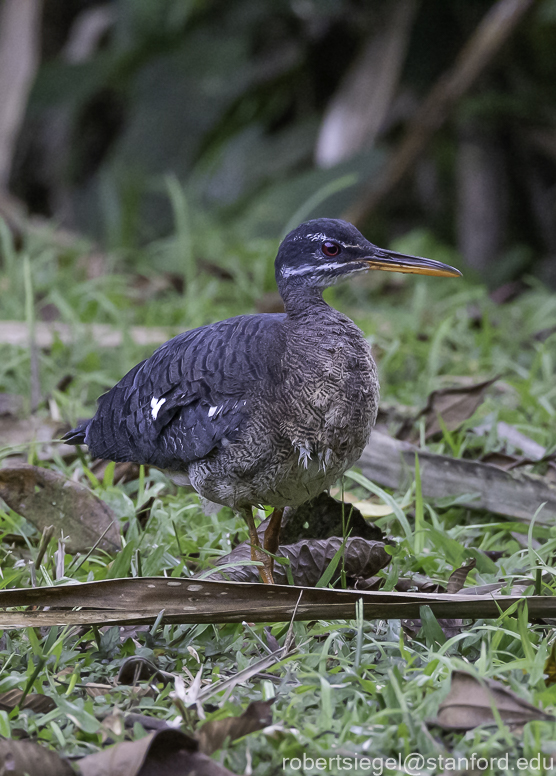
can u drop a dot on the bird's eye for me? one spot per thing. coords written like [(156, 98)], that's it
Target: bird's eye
[(330, 248)]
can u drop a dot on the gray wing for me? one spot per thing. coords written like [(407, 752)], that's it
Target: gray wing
[(191, 396)]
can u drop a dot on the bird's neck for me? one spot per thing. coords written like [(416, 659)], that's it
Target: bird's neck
[(304, 302)]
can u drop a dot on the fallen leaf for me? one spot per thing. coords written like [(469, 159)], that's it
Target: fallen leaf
[(41, 704), (142, 599), (453, 405), (308, 560), (457, 578), (24, 758), (212, 735), (46, 498), (469, 704), (169, 752)]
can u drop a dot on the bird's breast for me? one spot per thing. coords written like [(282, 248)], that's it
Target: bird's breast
[(330, 394)]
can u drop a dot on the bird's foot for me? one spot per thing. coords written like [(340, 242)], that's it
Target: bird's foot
[(266, 571)]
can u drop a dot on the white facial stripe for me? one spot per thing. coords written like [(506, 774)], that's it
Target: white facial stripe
[(311, 269), (288, 272), (156, 404)]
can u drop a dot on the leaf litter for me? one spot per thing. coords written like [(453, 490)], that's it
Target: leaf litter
[(470, 703), (46, 498)]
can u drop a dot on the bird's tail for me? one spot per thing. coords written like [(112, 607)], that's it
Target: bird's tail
[(77, 435)]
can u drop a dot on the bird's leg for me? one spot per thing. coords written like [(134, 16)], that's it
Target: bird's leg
[(272, 533), (257, 554)]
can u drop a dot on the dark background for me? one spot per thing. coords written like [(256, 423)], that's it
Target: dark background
[(268, 111)]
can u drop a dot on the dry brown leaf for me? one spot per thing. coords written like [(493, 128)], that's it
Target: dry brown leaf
[(46, 498), (34, 701), (212, 735), (141, 600), (457, 578), (24, 758), (167, 752), (453, 405), (469, 704), (309, 560)]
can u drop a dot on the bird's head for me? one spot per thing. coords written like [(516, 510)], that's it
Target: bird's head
[(324, 251)]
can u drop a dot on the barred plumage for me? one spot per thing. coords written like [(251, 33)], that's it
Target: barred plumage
[(259, 409)]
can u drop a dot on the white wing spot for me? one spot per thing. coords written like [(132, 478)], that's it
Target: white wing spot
[(156, 404), (212, 410)]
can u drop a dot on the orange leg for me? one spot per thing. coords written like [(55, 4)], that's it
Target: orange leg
[(272, 533), (257, 554)]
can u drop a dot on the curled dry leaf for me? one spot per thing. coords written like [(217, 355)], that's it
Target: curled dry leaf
[(453, 405), (167, 752), (458, 577), (24, 758), (213, 735), (34, 701), (46, 498), (469, 704), (309, 559)]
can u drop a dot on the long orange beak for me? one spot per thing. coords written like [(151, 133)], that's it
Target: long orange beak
[(390, 261)]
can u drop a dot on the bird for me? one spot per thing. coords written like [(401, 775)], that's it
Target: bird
[(264, 409)]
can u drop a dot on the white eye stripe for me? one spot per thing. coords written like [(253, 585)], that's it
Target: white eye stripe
[(288, 272)]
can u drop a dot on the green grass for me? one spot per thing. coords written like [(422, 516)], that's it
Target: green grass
[(351, 688)]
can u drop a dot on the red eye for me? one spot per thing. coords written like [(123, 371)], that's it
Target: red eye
[(330, 248)]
